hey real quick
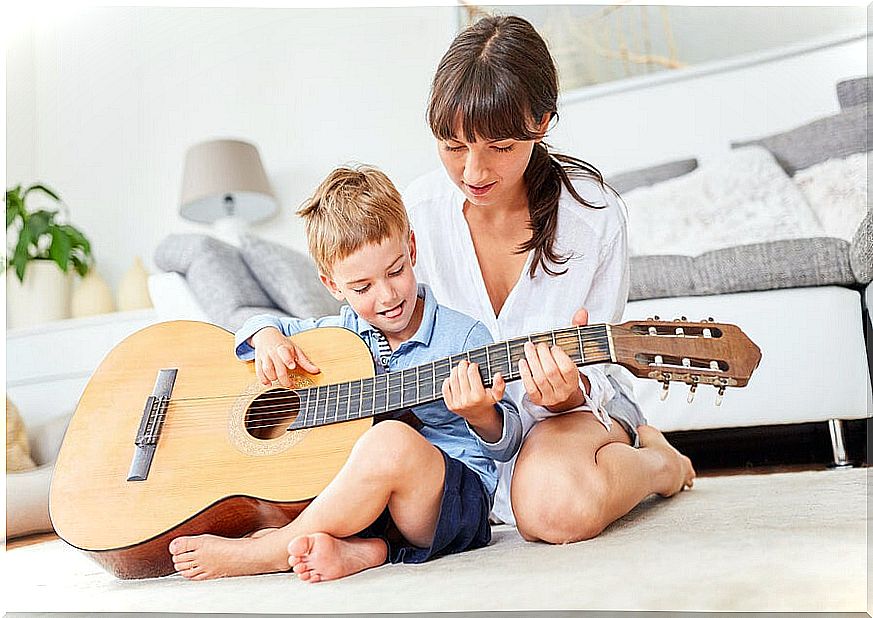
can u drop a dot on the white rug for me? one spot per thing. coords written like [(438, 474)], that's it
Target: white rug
[(781, 542)]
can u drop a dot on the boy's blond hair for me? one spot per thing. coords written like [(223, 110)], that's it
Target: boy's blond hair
[(352, 207)]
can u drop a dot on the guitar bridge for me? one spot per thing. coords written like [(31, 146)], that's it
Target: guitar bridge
[(150, 425)]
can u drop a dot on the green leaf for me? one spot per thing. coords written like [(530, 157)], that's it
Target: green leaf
[(60, 248), (78, 238), (43, 188), (39, 222), (20, 257)]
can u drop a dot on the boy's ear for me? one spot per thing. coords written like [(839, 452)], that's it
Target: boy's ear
[(331, 286), (412, 247)]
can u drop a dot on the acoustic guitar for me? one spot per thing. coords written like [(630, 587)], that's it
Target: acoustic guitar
[(174, 436)]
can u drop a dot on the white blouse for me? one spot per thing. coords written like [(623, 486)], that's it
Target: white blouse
[(596, 278)]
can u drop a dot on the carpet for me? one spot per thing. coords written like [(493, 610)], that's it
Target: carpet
[(785, 542)]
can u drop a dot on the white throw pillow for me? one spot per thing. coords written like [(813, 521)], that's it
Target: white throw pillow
[(741, 198), (836, 190)]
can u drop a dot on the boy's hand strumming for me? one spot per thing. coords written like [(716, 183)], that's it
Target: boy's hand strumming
[(275, 355), (466, 396)]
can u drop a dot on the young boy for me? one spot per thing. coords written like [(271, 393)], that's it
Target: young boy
[(404, 495)]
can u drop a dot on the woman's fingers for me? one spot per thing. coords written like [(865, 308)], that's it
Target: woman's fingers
[(530, 385), (580, 318), (539, 360)]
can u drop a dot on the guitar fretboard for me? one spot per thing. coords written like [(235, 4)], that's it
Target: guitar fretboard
[(398, 390)]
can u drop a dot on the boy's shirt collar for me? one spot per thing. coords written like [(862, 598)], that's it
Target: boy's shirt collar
[(428, 318)]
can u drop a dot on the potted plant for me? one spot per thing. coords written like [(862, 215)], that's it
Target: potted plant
[(45, 249)]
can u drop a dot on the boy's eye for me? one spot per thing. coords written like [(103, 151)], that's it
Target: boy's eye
[(396, 272), (361, 290)]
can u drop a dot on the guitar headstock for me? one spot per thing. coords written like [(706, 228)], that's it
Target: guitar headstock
[(695, 353)]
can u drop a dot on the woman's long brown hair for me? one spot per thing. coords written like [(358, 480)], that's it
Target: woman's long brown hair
[(497, 81)]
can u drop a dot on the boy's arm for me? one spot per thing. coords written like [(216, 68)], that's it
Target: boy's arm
[(503, 427), (286, 325)]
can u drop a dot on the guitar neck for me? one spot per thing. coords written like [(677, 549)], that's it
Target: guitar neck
[(392, 392)]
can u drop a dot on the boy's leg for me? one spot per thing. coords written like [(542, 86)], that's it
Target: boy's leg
[(391, 465), (573, 477)]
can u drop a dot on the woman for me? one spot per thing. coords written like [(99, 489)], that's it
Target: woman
[(518, 237)]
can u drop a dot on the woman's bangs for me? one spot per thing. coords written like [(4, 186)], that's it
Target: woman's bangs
[(481, 107)]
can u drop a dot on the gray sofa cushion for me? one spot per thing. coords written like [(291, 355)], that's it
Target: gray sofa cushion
[(861, 251), (628, 181), (835, 136), (289, 278), (851, 92), (760, 266), (218, 277)]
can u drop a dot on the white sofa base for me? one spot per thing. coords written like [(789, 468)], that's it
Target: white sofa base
[(813, 365)]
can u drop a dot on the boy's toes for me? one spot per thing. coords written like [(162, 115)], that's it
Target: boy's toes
[(300, 546)]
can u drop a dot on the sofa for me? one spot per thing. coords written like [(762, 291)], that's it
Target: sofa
[(774, 236)]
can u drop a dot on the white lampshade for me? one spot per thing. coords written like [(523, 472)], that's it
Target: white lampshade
[(225, 179)]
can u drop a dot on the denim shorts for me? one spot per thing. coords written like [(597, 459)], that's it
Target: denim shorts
[(625, 412), (462, 524)]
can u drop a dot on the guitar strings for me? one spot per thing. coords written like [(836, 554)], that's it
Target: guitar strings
[(274, 403)]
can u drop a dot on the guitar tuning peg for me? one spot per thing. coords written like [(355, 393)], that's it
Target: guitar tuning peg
[(719, 396), (691, 392), (665, 389), (710, 319), (657, 317), (682, 318)]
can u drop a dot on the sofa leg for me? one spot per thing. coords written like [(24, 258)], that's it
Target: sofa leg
[(838, 444)]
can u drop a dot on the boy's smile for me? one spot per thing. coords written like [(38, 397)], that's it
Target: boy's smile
[(378, 282)]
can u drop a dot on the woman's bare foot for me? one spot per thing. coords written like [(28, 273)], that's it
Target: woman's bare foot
[(208, 556), (321, 557), (677, 473), (259, 533)]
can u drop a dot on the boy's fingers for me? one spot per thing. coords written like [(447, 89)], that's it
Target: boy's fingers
[(259, 371), (498, 387), (477, 389), (282, 373), (269, 371), (447, 393), (307, 364)]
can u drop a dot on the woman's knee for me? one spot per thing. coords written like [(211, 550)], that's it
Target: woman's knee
[(563, 510)]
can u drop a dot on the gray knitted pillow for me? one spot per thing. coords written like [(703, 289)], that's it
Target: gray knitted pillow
[(218, 277), (647, 176), (861, 251), (760, 266), (289, 278), (835, 136), (851, 92)]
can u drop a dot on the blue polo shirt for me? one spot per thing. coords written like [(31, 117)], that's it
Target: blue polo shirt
[(442, 332)]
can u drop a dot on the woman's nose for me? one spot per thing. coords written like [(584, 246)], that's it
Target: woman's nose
[(475, 169)]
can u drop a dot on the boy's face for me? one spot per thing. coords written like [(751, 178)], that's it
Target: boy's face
[(378, 282)]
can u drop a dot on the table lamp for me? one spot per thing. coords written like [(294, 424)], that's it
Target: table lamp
[(224, 184)]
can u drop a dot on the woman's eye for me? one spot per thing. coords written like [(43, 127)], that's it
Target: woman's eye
[(504, 148), (453, 148)]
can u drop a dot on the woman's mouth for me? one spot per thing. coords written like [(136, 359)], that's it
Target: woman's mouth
[(394, 312), (479, 190)]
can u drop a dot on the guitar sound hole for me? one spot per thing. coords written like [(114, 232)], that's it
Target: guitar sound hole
[(271, 412)]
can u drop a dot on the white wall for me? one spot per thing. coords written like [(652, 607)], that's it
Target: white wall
[(684, 118), (111, 98), (103, 103)]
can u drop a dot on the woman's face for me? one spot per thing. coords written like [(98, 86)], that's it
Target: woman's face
[(488, 171)]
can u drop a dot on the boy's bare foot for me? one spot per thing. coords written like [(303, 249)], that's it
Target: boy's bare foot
[(208, 556), (677, 473), (259, 533), (321, 557)]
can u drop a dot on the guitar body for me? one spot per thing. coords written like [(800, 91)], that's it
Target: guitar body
[(213, 470)]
